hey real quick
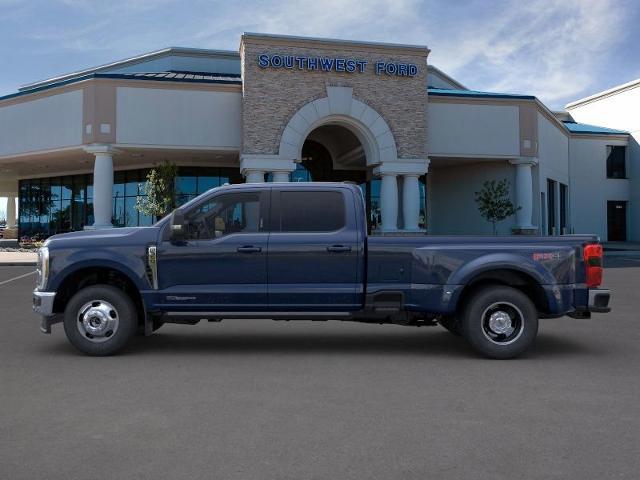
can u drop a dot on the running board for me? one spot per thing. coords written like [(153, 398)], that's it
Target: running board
[(217, 316)]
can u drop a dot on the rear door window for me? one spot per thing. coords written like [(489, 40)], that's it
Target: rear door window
[(311, 211)]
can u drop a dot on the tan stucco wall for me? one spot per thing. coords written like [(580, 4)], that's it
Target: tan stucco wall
[(272, 96)]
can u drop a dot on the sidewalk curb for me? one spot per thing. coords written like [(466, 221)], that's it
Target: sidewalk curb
[(622, 253)]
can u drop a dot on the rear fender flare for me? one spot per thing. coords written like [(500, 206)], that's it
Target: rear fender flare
[(499, 261)]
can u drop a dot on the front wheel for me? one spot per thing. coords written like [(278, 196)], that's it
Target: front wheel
[(100, 320), (499, 322)]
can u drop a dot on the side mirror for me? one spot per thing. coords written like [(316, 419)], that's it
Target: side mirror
[(177, 226)]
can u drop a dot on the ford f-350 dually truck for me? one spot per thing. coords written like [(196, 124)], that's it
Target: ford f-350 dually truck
[(300, 251)]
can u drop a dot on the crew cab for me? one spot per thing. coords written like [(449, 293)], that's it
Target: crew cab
[(300, 251)]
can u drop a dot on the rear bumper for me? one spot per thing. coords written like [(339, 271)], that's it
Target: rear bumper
[(592, 300), (599, 300)]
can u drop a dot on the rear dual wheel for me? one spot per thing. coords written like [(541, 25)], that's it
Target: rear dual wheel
[(499, 321)]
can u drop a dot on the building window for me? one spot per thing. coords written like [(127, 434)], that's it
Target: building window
[(616, 161), (62, 204), (551, 207), (564, 207), (543, 215)]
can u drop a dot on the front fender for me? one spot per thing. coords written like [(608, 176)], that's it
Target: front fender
[(125, 261)]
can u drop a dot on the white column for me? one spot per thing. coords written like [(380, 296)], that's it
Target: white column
[(102, 185), (410, 202), (11, 211), (524, 192), (254, 166), (389, 202), (280, 176), (254, 176)]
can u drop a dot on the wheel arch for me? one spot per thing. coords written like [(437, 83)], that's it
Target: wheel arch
[(506, 276), (87, 275)]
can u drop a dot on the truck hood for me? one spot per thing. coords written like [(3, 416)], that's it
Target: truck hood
[(112, 236)]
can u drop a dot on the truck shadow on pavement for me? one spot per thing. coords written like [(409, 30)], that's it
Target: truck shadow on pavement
[(412, 343)]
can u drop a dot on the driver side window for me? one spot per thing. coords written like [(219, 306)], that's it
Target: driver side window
[(223, 215)]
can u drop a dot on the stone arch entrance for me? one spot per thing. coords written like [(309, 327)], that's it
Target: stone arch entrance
[(374, 156), (340, 108), (339, 138)]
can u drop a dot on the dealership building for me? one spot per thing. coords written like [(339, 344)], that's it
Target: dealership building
[(75, 149)]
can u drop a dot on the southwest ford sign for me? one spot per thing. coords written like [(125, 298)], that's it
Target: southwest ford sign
[(331, 64)]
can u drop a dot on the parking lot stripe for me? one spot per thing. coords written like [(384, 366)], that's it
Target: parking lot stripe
[(17, 278)]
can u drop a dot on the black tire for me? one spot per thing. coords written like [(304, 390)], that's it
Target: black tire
[(499, 322), (107, 312), (451, 324)]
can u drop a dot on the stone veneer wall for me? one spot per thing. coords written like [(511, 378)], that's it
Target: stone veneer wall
[(271, 96)]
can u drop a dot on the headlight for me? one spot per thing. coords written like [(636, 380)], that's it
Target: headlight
[(43, 267)]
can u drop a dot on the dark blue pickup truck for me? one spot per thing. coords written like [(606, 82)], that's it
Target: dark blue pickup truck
[(258, 251)]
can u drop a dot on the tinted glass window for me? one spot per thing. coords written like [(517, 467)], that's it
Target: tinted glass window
[(224, 215), (616, 167), (311, 211)]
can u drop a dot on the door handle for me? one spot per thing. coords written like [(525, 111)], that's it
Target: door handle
[(249, 249), (339, 248)]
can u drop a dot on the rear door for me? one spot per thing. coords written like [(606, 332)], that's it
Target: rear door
[(616, 221), (314, 250)]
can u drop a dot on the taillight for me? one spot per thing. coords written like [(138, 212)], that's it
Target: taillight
[(593, 264)]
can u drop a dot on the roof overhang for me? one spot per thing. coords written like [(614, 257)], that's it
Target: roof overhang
[(224, 82), (145, 57)]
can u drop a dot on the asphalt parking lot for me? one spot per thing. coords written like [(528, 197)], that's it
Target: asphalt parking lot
[(322, 400)]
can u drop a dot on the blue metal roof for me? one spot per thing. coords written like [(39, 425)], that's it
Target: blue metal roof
[(187, 77), (175, 75), (575, 127), (444, 92)]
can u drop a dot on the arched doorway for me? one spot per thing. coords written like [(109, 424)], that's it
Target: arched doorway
[(340, 138), (333, 153)]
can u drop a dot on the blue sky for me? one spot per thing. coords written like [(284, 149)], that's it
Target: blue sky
[(558, 50)]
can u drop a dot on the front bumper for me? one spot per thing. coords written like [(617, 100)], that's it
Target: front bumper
[(43, 305), (43, 302), (599, 300)]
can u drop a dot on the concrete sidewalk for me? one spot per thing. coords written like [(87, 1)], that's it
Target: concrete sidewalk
[(18, 258), (621, 249)]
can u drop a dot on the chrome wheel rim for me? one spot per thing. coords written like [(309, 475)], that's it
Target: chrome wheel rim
[(502, 323), (97, 321)]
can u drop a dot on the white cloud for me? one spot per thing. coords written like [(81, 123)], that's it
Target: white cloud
[(551, 48), (548, 48)]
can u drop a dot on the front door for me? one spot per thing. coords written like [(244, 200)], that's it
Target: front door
[(222, 264), (617, 221), (314, 251)]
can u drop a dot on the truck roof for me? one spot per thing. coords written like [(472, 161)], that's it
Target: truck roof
[(296, 185)]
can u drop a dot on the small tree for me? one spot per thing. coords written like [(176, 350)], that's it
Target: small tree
[(494, 203), (160, 191)]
